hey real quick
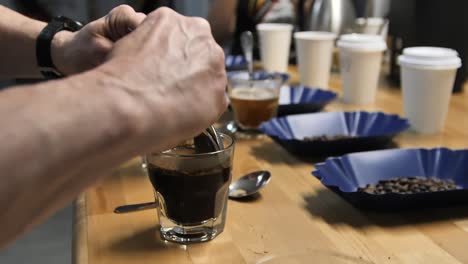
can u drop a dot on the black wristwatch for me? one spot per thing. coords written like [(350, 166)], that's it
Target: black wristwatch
[(44, 44)]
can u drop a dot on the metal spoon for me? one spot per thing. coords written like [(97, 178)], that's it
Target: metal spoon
[(216, 137), (209, 140), (247, 47), (249, 184), (135, 207), (245, 186)]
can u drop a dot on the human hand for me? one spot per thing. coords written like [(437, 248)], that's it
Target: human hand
[(173, 71), (74, 52)]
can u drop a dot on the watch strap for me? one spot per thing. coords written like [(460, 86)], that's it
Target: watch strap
[(44, 44)]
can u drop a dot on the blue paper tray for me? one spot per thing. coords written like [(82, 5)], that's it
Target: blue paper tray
[(344, 175), (368, 130), (235, 63), (300, 99)]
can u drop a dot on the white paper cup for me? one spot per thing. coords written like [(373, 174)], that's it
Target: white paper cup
[(314, 54), (360, 60), (427, 77), (275, 41)]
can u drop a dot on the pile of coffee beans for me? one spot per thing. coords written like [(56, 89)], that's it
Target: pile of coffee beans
[(327, 138), (409, 185)]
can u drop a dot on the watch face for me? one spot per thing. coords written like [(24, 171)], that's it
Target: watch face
[(51, 74), (68, 24)]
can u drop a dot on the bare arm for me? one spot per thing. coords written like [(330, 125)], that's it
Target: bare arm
[(18, 39), (71, 52), (58, 137), (222, 17)]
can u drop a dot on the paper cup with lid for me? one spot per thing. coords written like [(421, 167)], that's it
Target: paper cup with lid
[(275, 42), (314, 55), (360, 60), (427, 78)]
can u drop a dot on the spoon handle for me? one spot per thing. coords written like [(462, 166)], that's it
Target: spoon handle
[(247, 47), (135, 207), (216, 137)]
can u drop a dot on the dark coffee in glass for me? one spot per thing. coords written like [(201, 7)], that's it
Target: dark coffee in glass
[(191, 189), (191, 197)]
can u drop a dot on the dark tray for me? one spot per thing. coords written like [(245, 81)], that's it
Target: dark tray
[(300, 99), (344, 175), (369, 131)]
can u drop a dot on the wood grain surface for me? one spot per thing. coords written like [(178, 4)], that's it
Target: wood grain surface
[(295, 220)]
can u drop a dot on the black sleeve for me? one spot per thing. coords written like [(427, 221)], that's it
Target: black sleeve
[(244, 22)]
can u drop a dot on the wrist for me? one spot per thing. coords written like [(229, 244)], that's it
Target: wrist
[(127, 113), (59, 49), (147, 116)]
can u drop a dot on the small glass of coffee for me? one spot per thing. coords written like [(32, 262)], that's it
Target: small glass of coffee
[(191, 188), (254, 100)]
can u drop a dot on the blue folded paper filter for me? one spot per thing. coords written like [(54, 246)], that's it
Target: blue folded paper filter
[(344, 132), (345, 175), (300, 99), (235, 62), (256, 75)]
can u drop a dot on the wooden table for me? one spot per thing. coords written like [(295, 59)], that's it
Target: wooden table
[(296, 219)]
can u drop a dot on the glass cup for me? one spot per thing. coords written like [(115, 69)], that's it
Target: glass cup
[(254, 100), (192, 190)]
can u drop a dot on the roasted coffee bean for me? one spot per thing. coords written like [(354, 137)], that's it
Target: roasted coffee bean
[(327, 138), (410, 185)]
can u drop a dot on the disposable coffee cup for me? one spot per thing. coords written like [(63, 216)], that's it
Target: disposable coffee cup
[(275, 42), (314, 54), (360, 60), (427, 78)]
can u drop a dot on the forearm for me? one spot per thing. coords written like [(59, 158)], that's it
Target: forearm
[(71, 52), (18, 44), (222, 18), (57, 138)]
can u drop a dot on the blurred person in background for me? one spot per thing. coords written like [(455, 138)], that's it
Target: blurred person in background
[(229, 18), (80, 10)]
